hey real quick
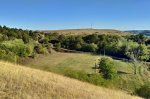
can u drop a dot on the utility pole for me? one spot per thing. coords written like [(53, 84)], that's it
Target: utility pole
[(95, 66)]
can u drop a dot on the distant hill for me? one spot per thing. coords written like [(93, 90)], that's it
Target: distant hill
[(86, 31), (145, 32), (17, 82)]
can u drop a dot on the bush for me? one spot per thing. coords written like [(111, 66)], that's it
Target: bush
[(107, 68), (25, 38), (76, 74), (30, 49), (49, 48), (16, 46), (144, 91), (10, 56), (95, 79), (83, 76), (41, 49), (2, 53)]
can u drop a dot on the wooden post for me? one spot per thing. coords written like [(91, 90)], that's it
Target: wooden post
[(95, 68)]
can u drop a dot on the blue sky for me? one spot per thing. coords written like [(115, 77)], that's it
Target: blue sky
[(67, 14)]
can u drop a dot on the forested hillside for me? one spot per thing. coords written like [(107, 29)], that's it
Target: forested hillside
[(22, 46)]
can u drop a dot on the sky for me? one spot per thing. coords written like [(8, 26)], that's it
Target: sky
[(73, 14)]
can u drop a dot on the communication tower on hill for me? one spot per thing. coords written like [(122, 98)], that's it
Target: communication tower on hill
[(91, 26)]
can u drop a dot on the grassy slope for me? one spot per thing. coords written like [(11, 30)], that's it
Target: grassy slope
[(87, 31), (128, 80), (19, 82), (76, 61), (59, 61)]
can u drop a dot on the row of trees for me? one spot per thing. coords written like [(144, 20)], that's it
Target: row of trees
[(131, 47)]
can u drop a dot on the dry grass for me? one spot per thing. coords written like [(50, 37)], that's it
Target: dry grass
[(87, 31), (18, 82), (60, 62)]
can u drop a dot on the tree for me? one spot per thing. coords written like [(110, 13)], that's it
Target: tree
[(25, 38), (107, 68), (102, 47), (89, 47), (139, 38), (62, 38), (78, 43), (78, 46), (148, 41), (44, 41), (34, 35), (143, 54), (58, 46), (91, 38), (136, 51)]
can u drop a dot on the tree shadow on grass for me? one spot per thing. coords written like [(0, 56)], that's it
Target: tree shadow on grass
[(122, 72)]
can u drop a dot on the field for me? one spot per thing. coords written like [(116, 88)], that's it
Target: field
[(18, 82), (58, 62), (77, 61), (87, 31)]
